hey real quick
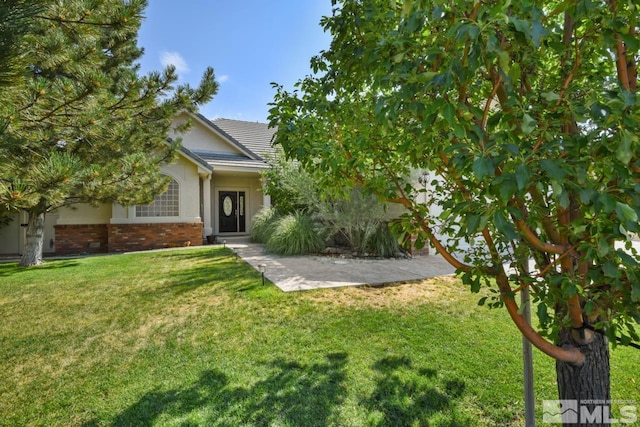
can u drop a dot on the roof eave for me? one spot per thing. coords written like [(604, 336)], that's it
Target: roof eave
[(203, 166)]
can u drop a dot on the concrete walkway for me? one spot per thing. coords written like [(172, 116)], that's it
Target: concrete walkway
[(299, 273)]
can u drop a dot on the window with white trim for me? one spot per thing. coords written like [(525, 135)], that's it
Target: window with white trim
[(165, 204)]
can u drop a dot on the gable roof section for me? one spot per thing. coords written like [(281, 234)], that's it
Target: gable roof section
[(251, 139), (227, 137), (255, 136)]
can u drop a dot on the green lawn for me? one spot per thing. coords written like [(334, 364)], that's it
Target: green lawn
[(191, 337)]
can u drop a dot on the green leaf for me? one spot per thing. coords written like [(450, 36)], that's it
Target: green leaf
[(505, 227), (515, 73), (507, 187), (603, 246), (550, 96), (588, 307), (449, 112), (635, 292), (626, 212), (406, 7), (473, 223), (537, 33), (528, 124), (523, 174), (513, 149), (610, 269), (521, 26), (427, 76), (627, 260), (459, 131), (624, 153), (628, 97), (569, 288), (503, 61), (543, 314), (482, 166), (587, 195), (561, 195), (553, 170), (631, 41), (608, 202), (475, 285)]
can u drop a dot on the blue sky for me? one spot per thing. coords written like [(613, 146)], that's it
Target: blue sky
[(249, 44)]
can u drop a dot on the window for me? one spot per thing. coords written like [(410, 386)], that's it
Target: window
[(165, 204)]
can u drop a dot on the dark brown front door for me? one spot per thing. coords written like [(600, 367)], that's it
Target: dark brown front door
[(231, 209)]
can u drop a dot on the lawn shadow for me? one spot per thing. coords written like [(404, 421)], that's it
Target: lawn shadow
[(291, 394), (208, 268), (406, 395), (11, 268)]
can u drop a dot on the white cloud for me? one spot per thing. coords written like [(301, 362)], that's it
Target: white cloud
[(223, 78), (175, 59)]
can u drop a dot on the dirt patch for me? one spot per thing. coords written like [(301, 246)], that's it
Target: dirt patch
[(396, 294)]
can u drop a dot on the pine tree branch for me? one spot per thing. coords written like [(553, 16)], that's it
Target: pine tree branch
[(80, 21)]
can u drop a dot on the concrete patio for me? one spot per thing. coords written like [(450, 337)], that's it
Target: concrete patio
[(299, 273)]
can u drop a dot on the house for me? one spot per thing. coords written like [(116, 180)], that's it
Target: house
[(215, 190)]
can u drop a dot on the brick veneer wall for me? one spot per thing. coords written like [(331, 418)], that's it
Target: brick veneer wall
[(137, 237), (77, 239)]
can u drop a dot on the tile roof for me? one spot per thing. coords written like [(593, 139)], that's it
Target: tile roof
[(255, 136), (228, 137), (230, 159), (251, 138), (195, 158)]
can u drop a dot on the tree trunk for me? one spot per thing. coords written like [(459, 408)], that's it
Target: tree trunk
[(585, 389), (35, 238)]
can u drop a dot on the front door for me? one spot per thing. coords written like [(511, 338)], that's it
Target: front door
[(231, 210)]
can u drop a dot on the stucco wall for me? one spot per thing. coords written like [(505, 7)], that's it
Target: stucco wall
[(10, 236), (201, 137), (186, 174), (84, 214), (13, 237)]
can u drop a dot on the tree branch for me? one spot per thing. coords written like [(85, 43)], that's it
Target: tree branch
[(487, 105), (547, 223), (531, 238), (448, 256), (569, 355)]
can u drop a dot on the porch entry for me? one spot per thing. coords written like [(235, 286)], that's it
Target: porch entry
[(231, 208)]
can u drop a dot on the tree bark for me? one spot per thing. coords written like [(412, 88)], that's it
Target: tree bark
[(35, 238), (587, 387)]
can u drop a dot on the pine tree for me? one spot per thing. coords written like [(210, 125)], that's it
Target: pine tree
[(83, 125), (14, 23)]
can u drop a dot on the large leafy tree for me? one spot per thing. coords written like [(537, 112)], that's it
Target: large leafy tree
[(528, 114), (82, 124)]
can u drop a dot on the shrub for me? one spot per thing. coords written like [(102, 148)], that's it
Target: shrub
[(353, 220), (263, 225), (291, 188), (382, 242), (295, 234)]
